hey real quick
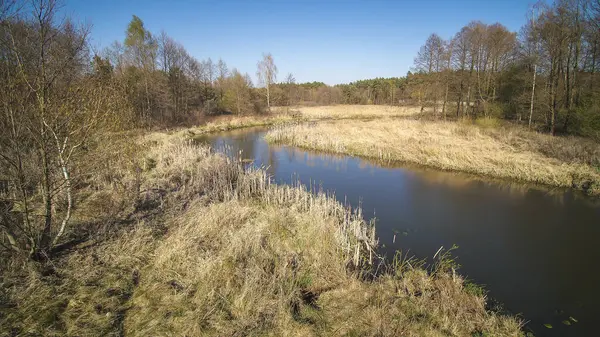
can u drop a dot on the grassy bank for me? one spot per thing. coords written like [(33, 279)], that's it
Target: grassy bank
[(185, 242), (227, 123), (502, 152), (287, 115)]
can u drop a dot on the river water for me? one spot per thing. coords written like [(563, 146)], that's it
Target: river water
[(536, 251)]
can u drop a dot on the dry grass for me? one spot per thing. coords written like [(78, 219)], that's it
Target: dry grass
[(288, 115), (503, 153), (414, 304), (216, 250), (236, 267), (356, 111), (230, 123)]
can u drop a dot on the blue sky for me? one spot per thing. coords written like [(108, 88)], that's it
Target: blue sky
[(330, 41)]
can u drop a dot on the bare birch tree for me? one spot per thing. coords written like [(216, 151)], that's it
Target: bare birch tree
[(267, 75)]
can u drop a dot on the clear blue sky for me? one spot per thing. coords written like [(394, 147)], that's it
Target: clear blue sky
[(329, 41)]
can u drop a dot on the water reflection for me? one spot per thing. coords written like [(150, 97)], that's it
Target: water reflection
[(534, 248)]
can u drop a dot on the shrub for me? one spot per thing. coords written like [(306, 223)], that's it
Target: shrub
[(487, 122)]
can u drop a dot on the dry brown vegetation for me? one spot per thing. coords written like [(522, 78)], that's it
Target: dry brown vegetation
[(199, 246), (286, 115), (292, 115), (227, 123), (503, 152), (355, 111)]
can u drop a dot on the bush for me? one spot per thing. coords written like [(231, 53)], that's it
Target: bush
[(587, 122), (487, 122)]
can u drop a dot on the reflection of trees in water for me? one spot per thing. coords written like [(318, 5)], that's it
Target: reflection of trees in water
[(271, 158), (254, 148), (454, 180), (461, 180), (315, 159), (249, 146), (243, 142), (514, 189)]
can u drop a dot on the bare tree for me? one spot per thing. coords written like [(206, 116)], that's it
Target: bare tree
[(447, 72), (141, 48), (208, 68), (290, 83), (461, 55), (267, 75), (47, 109), (222, 73), (532, 39), (429, 61), (240, 86)]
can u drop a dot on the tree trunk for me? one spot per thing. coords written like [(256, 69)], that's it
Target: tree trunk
[(553, 93), (593, 66), (445, 100), (421, 101), (44, 243), (573, 87), (147, 98), (459, 101), (568, 84), (468, 102), (532, 95), (67, 178), (268, 98), (470, 82)]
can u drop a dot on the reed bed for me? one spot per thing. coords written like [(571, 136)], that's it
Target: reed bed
[(356, 111), (293, 115), (220, 178), (238, 122), (508, 152)]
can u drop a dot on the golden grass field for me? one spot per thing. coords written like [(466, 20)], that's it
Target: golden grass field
[(503, 152), (355, 111), (287, 115), (197, 246)]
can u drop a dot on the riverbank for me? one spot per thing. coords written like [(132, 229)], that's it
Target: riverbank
[(501, 151), (182, 241)]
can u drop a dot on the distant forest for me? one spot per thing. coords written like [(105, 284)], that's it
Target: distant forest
[(544, 76)]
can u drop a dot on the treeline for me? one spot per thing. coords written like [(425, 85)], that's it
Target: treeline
[(165, 85), (544, 75), (59, 98), (390, 91)]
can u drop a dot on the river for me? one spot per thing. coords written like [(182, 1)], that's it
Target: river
[(534, 250)]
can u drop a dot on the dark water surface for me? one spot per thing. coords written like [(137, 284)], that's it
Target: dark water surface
[(535, 251)]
